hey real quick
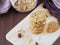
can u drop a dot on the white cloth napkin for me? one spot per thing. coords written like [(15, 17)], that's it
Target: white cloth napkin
[(4, 6)]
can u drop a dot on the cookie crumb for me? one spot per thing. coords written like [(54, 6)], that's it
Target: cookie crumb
[(19, 35), (36, 43)]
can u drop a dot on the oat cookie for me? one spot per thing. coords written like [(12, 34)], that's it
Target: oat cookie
[(25, 5)]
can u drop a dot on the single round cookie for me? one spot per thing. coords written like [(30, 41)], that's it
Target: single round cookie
[(37, 21), (24, 5), (52, 27), (53, 24)]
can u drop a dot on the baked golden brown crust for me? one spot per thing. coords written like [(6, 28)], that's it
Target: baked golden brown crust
[(37, 21), (52, 27)]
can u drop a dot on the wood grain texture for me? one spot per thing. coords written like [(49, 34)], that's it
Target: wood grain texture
[(7, 22)]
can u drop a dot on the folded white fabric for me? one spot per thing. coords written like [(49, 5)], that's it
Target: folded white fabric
[(4, 6), (57, 3)]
